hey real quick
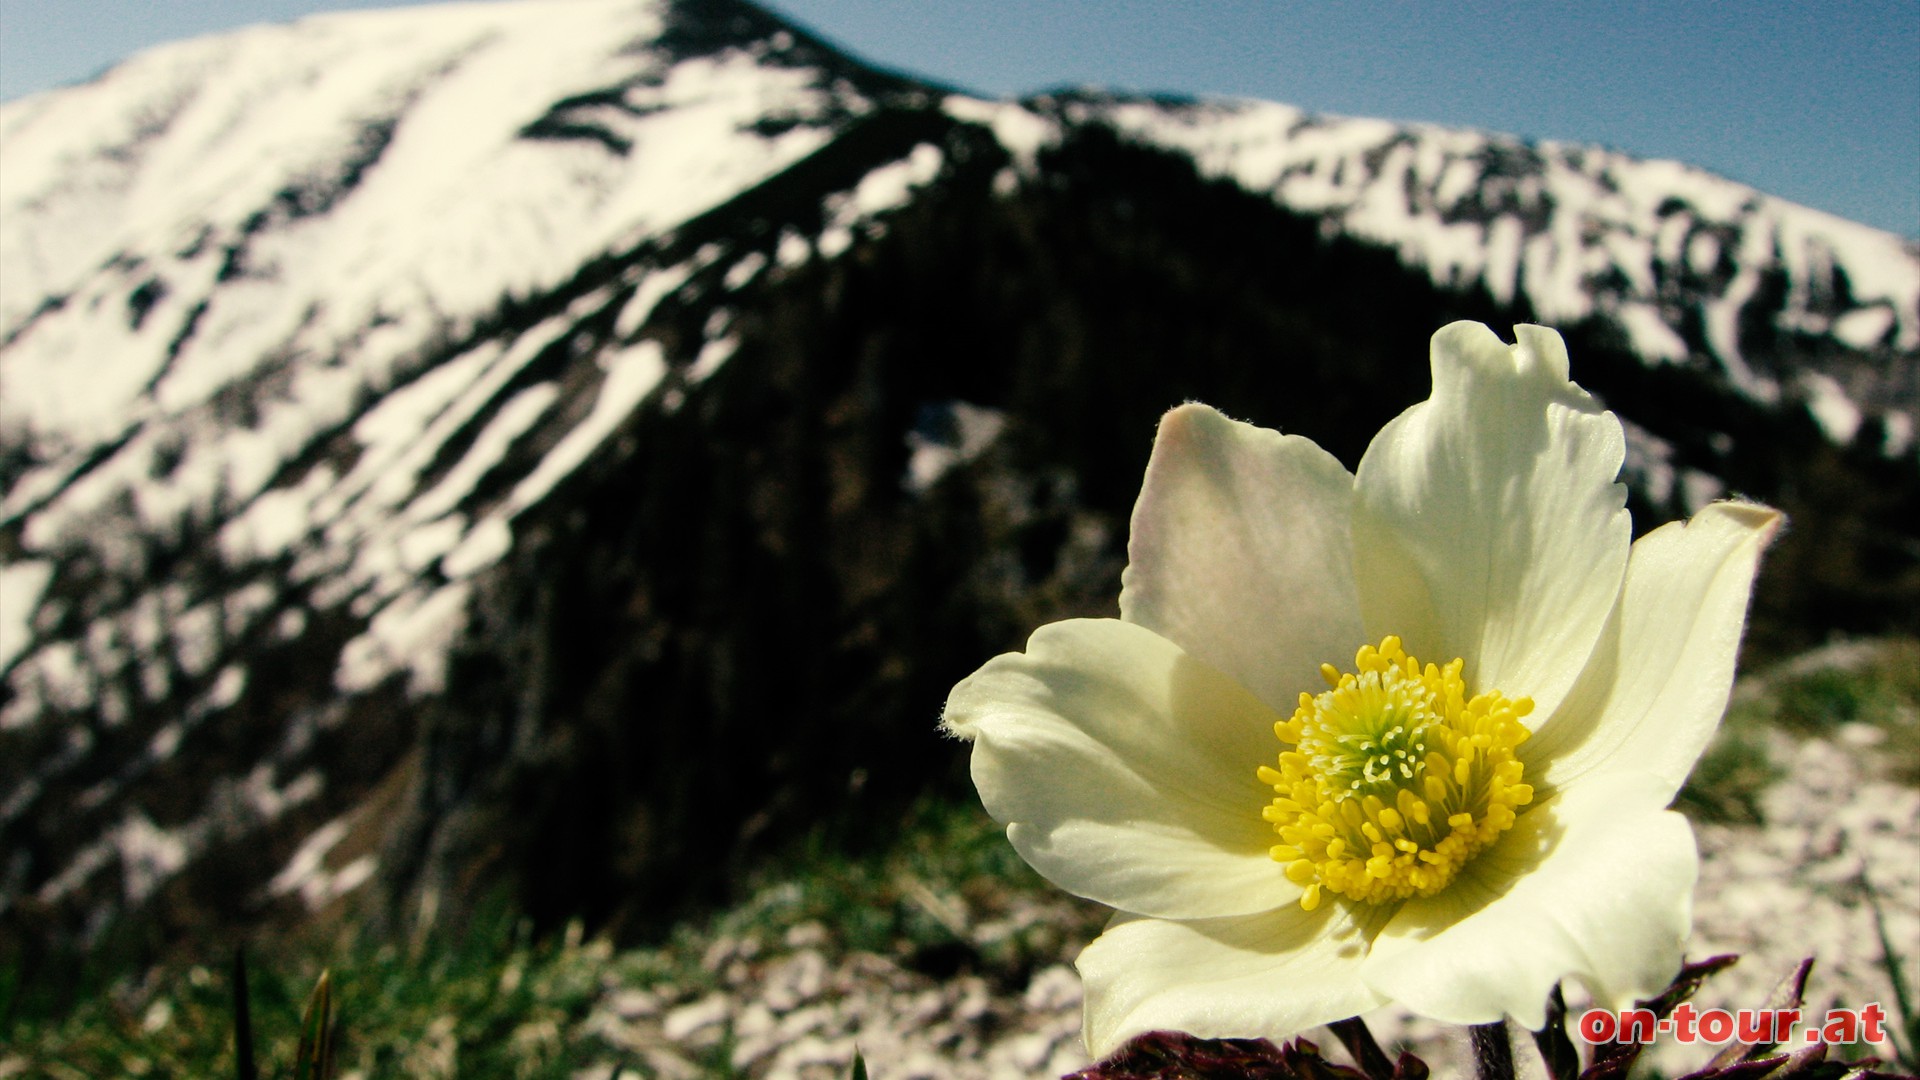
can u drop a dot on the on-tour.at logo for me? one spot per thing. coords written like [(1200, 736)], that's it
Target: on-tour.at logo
[(1689, 1025)]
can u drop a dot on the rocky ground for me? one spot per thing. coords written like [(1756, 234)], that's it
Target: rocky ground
[(1838, 835)]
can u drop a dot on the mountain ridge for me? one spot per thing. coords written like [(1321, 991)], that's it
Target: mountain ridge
[(328, 474)]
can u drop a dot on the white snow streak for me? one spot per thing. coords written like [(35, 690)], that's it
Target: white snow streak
[(21, 584), (1838, 416)]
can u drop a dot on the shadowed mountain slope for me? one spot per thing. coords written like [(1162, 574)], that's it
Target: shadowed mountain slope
[(572, 447)]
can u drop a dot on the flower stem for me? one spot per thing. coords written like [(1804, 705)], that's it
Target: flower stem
[(1556, 1050), (1359, 1041), (1492, 1051)]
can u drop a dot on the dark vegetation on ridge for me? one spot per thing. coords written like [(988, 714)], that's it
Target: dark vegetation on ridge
[(741, 620)]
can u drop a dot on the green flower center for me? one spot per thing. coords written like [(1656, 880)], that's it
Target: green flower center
[(1395, 778)]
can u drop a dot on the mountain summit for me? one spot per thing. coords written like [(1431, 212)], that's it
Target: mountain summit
[(569, 447)]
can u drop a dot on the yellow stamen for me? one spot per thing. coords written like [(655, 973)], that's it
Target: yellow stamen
[(1394, 779)]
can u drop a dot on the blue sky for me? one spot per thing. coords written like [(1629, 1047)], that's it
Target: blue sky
[(1816, 102)]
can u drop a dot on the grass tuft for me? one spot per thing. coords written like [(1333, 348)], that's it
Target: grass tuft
[(1862, 692)]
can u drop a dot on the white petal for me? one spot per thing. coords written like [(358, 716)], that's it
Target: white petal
[(1654, 694), (1596, 883), (1270, 975), (1239, 553), (1125, 770), (1487, 524)]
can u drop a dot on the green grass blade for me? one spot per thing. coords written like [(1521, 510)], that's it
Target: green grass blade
[(1909, 1054), (312, 1060)]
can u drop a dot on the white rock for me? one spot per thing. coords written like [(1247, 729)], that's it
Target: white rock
[(701, 1017)]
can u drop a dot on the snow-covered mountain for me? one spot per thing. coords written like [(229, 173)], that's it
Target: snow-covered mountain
[(582, 438), (1680, 260)]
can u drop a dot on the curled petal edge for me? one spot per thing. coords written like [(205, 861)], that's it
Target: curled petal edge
[(1125, 770)]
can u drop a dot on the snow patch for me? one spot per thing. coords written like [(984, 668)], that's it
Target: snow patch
[(891, 186), (1697, 489), (1649, 463), (1864, 328), (948, 435), (149, 855), (21, 586), (652, 289), (1652, 337), (244, 605), (268, 802), (485, 544), (513, 420), (1021, 131), (89, 861), (411, 634), (888, 187), (713, 354), (276, 521), (1899, 439), (64, 679), (165, 742), (196, 638), (792, 250), (630, 376), (306, 871), (744, 271), (422, 546), (1836, 413), (226, 689)]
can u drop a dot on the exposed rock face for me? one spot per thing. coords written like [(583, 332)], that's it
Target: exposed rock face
[(567, 447)]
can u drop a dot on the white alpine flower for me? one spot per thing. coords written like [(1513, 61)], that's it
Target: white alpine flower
[(1295, 819)]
